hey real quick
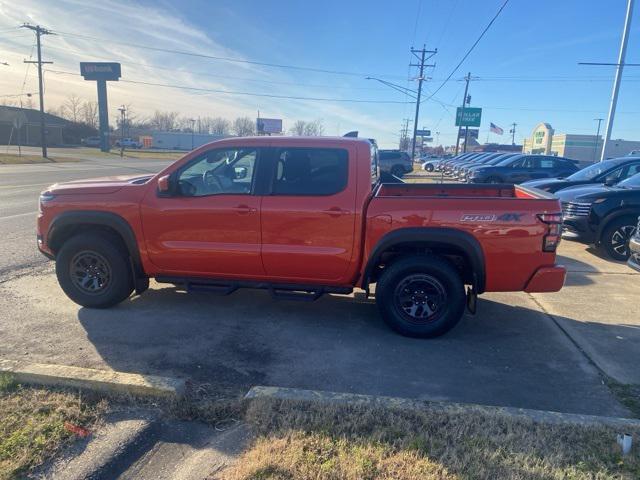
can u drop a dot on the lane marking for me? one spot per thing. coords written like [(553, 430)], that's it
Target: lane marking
[(29, 185), (18, 215)]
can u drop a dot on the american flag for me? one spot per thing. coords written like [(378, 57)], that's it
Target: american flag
[(495, 129)]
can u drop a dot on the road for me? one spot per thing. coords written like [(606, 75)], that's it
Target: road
[(20, 186)]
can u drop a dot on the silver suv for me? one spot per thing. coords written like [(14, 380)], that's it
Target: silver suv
[(395, 162)]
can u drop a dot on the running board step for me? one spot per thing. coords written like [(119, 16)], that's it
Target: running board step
[(278, 291)]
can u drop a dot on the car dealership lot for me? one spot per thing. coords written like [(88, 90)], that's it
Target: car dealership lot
[(511, 353)]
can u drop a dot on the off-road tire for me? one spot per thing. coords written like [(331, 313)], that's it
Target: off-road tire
[(439, 277), (105, 258)]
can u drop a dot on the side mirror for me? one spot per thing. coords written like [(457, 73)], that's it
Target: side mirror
[(610, 181), (241, 172), (164, 185)]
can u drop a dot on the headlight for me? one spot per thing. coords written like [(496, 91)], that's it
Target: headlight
[(44, 198)]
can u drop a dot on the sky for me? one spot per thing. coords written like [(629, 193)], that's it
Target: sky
[(525, 69)]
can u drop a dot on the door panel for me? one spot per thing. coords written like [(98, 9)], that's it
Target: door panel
[(308, 221), (212, 226)]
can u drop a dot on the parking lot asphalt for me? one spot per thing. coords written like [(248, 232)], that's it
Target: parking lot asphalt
[(599, 308), (543, 351), (511, 353)]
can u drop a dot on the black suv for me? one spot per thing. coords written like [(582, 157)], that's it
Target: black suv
[(523, 167), (395, 162), (602, 215), (608, 172)]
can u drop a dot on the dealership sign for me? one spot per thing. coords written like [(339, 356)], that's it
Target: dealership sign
[(473, 133), (100, 70), (472, 117), (269, 125)]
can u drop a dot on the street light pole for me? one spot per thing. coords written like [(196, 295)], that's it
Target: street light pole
[(618, 78), (193, 123)]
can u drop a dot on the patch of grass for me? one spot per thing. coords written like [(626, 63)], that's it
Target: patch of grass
[(32, 424), (15, 159), (308, 440), (134, 153), (628, 395)]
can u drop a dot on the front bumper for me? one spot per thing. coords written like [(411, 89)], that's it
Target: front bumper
[(578, 229), (634, 249), (546, 279)]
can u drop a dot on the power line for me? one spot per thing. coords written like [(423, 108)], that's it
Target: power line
[(253, 94), (470, 49), (225, 59)]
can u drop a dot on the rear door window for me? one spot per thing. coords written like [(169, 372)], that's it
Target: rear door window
[(310, 171)]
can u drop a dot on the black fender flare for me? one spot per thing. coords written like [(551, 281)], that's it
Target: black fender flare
[(623, 212), (435, 236), (74, 218)]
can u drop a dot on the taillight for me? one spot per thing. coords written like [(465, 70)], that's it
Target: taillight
[(551, 239)]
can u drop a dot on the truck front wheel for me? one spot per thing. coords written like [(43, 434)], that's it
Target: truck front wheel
[(93, 270), (421, 296)]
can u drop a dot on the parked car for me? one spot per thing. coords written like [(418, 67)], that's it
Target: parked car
[(603, 215), (395, 162), (300, 217), (458, 158), (634, 249), (523, 167), (481, 160), (608, 172), (463, 175), (128, 143), (90, 141), (448, 167), (430, 163)]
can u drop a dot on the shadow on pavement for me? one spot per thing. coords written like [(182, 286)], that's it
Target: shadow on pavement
[(505, 355)]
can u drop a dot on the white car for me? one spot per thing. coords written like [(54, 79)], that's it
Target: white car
[(128, 143)]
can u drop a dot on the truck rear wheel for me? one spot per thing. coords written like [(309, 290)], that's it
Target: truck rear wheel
[(421, 296), (93, 270)]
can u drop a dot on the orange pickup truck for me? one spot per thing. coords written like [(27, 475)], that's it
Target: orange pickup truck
[(301, 217)]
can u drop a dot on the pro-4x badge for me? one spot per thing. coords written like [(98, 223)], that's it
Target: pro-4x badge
[(477, 217)]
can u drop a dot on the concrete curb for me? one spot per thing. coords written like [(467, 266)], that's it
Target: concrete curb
[(123, 438), (541, 416), (108, 381)]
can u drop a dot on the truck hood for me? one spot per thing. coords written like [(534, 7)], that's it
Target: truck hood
[(97, 185)]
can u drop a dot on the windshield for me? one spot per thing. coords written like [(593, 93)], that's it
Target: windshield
[(592, 171), (506, 161), (631, 182)]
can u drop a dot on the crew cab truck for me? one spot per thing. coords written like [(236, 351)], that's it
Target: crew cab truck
[(301, 217)]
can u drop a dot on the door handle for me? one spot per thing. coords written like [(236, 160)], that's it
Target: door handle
[(336, 212), (244, 209)]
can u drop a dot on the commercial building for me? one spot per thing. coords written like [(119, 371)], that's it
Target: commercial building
[(584, 148), (22, 126), (181, 140)]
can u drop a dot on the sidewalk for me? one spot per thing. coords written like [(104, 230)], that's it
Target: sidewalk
[(598, 309)]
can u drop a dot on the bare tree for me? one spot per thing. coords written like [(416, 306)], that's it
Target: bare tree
[(165, 121), (298, 128), (314, 129), (89, 114), (72, 108), (308, 129), (220, 126), (244, 126)]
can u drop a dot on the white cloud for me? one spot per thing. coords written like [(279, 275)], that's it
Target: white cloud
[(164, 27)]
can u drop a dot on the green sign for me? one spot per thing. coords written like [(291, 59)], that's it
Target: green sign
[(472, 117)]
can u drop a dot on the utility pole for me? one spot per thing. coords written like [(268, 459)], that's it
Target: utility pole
[(513, 133), (420, 55), (123, 111), (39, 32), (404, 134), (595, 148), (464, 103), (193, 124), (618, 77)]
